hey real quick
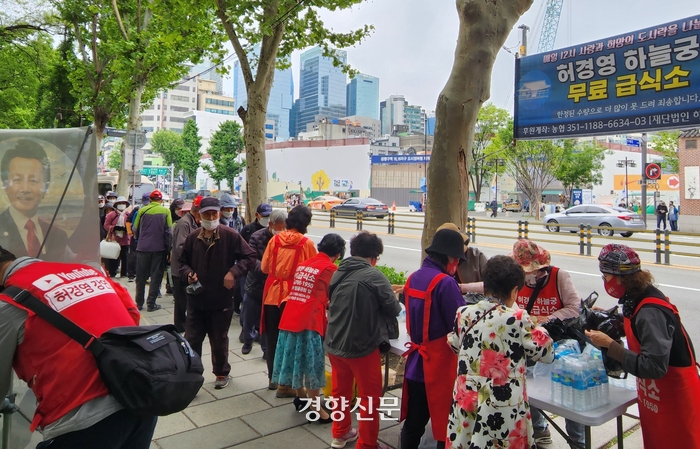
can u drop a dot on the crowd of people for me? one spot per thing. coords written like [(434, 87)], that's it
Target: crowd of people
[(466, 361)]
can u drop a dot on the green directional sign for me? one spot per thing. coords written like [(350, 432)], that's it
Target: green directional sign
[(155, 171)]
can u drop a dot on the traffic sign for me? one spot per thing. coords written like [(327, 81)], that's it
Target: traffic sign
[(649, 182), (155, 171), (633, 143), (673, 182), (652, 171), (135, 139)]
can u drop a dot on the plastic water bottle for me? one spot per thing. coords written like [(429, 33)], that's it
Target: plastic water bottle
[(604, 384), (556, 385), (402, 314), (567, 392), (593, 385), (580, 387)]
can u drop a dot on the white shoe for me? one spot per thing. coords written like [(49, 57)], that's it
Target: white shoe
[(339, 443)]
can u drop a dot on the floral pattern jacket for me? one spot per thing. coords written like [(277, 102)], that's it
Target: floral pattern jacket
[(489, 407)]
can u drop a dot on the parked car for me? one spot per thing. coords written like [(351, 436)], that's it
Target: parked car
[(596, 215), (192, 194), (512, 206), (369, 207), (325, 202)]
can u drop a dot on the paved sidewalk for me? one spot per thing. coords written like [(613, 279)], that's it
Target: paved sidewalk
[(246, 415)]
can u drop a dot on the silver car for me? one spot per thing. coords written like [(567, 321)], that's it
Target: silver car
[(596, 215)]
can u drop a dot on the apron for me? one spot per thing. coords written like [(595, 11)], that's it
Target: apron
[(668, 407), (271, 278), (439, 364)]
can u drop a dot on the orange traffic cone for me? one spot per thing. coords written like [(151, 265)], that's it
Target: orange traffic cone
[(393, 206)]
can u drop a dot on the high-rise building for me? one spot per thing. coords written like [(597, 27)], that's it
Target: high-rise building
[(206, 70), (397, 114), (279, 106), (322, 88), (363, 96), (210, 100)]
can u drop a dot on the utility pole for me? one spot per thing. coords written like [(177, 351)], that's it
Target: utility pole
[(626, 163), (523, 45), (644, 177)]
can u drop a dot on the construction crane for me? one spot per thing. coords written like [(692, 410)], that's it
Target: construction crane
[(550, 25)]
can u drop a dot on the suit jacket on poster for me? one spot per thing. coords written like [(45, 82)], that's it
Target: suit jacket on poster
[(11, 240)]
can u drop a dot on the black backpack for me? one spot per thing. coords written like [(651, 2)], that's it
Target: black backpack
[(150, 370)]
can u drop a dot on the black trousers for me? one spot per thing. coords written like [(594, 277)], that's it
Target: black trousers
[(149, 264), (215, 324), (131, 259), (418, 416), (273, 314), (180, 309), (121, 430), (113, 265)]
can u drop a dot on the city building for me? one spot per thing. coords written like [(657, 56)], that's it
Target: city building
[(363, 96), (332, 130), (371, 125), (322, 88), (211, 100), (206, 70), (279, 106), (396, 111), (689, 173), (169, 108)]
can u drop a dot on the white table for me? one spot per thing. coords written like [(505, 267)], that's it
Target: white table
[(397, 347), (539, 393)]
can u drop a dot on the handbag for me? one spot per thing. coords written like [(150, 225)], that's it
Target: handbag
[(109, 249), (149, 370)]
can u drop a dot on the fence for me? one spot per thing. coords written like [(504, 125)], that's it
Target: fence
[(660, 243)]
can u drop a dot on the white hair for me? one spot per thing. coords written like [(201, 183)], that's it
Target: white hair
[(278, 216)]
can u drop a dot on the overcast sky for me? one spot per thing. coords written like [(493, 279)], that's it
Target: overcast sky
[(412, 48)]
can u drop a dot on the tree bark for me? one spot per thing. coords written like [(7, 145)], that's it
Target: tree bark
[(133, 124), (483, 28), (254, 135)]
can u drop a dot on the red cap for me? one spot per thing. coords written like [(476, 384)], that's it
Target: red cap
[(197, 200), (156, 195)]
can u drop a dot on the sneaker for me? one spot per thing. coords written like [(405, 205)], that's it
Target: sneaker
[(154, 307), (222, 382), (272, 386), (132, 279), (339, 443), (543, 436), (247, 347)]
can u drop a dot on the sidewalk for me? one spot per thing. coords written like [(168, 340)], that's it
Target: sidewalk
[(246, 415)]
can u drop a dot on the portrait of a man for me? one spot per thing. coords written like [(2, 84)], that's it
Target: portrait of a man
[(25, 172)]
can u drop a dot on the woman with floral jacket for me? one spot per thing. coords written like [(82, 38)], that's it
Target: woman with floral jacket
[(492, 341)]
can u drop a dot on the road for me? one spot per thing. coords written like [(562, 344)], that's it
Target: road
[(402, 251)]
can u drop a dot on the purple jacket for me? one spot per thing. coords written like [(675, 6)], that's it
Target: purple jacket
[(447, 298)]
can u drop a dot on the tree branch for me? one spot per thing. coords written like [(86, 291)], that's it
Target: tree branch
[(235, 41), (119, 19)]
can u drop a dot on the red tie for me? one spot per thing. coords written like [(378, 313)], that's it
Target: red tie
[(32, 240)]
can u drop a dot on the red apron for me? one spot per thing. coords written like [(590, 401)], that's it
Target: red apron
[(439, 364), (668, 407), (271, 278)]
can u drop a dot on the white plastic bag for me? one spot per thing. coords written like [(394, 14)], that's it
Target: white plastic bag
[(109, 249)]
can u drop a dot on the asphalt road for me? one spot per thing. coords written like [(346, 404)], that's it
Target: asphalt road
[(402, 251)]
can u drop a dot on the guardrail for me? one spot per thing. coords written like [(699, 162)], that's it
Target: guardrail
[(661, 241)]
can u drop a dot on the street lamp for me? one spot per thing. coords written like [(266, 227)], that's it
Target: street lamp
[(626, 162)]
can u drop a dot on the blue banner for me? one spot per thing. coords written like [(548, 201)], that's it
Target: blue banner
[(399, 159), (645, 80)]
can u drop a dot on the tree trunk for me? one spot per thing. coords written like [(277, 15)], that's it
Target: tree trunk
[(133, 124), (483, 28)]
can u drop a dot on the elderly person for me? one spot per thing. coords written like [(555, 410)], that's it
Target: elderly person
[(660, 352), (548, 293), (115, 225), (229, 213), (300, 361), (470, 268), (432, 297), (283, 254), (360, 303), (493, 339), (184, 227), (214, 256)]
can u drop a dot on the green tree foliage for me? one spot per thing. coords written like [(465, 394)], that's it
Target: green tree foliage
[(277, 28), (169, 145), (490, 121), (225, 146), (191, 154), (114, 160), (581, 165), (57, 106), (666, 143)]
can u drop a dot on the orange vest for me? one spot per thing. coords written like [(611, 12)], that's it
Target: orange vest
[(59, 371)]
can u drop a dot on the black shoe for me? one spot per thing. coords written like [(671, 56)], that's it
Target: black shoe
[(264, 357), (154, 307), (271, 386), (321, 421), (139, 307), (247, 347)]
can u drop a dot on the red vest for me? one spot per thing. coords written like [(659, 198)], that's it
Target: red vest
[(668, 407), (548, 300), (308, 298), (59, 371)]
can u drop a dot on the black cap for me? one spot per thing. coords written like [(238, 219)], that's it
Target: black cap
[(448, 243)]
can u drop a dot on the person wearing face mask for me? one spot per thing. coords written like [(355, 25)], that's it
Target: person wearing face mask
[(470, 269), (660, 352), (262, 218), (548, 293), (115, 225), (184, 227), (229, 213), (101, 203), (214, 256), (432, 297)]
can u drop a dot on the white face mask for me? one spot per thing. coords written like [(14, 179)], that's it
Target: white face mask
[(273, 231), (210, 225), (227, 214), (531, 279), (264, 221), (121, 206)]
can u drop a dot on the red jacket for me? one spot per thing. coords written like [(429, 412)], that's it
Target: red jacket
[(59, 371), (308, 296)]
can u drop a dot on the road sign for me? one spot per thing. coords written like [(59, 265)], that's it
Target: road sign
[(155, 171), (652, 171), (673, 182), (633, 143), (135, 139), (129, 158)]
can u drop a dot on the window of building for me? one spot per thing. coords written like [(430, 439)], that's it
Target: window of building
[(182, 88), (165, 95), (269, 126), (159, 107), (178, 119), (179, 108), (147, 118), (691, 144), (148, 129), (268, 136), (219, 111), (218, 102), (177, 130), (180, 98)]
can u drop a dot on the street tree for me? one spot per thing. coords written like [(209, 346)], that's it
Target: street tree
[(276, 28), (666, 143), (225, 148), (114, 159), (531, 163), (580, 165), (168, 144), (191, 155), (483, 29), (490, 120)]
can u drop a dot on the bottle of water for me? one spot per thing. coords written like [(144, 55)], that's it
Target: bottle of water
[(556, 386), (580, 386), (402, 314), (566, 380), (594, 399), (604, 384)]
